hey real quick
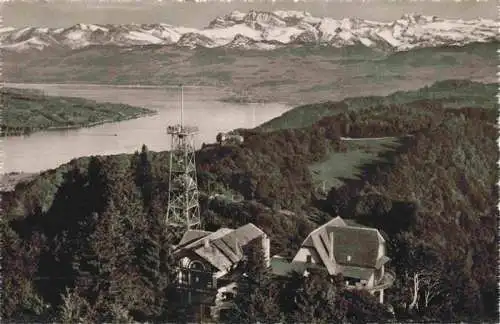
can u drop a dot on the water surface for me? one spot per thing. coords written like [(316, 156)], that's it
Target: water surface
[(49, 149)]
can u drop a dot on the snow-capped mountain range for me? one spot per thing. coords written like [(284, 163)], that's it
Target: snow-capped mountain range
[(263, 31)]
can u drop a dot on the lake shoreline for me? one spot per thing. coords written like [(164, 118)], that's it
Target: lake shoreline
[(8, 181), (75, 127), (48, 148), (224, 94)]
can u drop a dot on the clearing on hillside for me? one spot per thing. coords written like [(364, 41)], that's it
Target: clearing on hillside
[(350, 164)]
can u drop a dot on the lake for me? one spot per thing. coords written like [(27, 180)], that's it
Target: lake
[(49, 149)]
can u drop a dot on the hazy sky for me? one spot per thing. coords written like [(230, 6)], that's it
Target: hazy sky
[(59, 13)]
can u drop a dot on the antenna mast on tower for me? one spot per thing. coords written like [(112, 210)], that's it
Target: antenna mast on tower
[(183, 206)]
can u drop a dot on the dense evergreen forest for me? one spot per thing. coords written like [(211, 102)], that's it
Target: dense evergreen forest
[(86, 240)]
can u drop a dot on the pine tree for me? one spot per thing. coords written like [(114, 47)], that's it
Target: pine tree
[(106, 264), (315, 298), (144, 176), (257, 297), (74, 308), (18, 268)]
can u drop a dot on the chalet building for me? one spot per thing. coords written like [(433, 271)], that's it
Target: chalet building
[(357, 252), (207, 262), (229, 138)]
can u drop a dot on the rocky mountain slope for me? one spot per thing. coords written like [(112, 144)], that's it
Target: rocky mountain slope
[(263, 31)]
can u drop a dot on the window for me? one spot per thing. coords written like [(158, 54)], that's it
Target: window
[(196, 265), (226, 296), (184, 277), (308, 259), (350, 281)]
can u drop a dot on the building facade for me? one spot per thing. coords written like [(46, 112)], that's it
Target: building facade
[(356, 252), (207, 262)]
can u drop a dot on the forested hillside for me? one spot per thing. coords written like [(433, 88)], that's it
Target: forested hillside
[(448, 93), (27, 110), (93, 226)]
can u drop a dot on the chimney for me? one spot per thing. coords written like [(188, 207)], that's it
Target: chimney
[(206, 243), (237, 248), (330, 254), (266, 246)]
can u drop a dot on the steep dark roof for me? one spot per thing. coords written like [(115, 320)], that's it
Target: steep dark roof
[(192, 235), (244, 234), (222, 248), (337, 221), (229, 250), (355, 246)]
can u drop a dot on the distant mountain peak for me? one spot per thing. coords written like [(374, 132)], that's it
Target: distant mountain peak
[(254, 29)]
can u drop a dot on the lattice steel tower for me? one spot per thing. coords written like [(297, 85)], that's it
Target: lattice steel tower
[(183, 206)]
